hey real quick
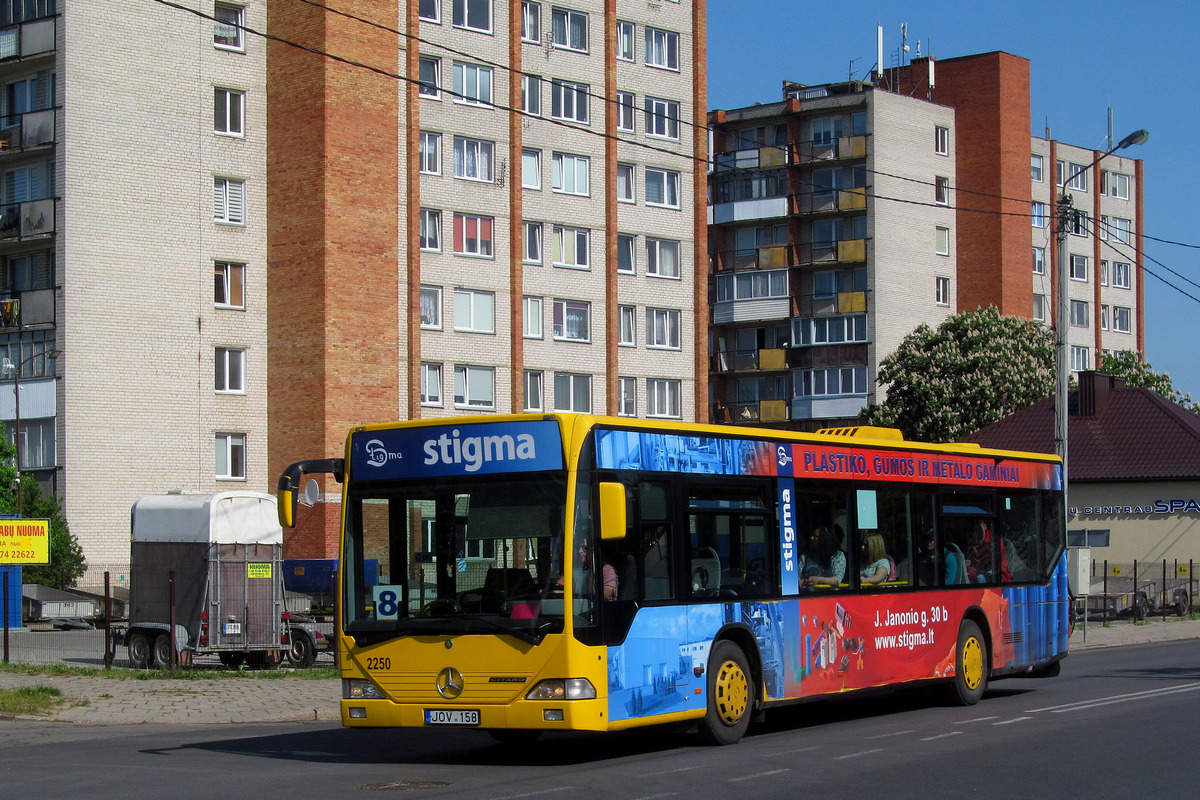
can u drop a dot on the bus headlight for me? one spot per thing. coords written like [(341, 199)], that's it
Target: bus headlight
[(563, 689), (358, 689)]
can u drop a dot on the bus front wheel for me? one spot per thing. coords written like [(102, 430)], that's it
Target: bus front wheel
[(971, 667), (729, 695)]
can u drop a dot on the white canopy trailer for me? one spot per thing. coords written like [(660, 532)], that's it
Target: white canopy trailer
[(226, 553)]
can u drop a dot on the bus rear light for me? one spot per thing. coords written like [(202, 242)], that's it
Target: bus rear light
[(563, 689)]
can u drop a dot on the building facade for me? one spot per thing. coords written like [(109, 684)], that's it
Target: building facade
[(497, 216), (134, 249), (848, 214)]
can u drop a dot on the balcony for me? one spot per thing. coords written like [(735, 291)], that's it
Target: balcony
[(773, 359), (33, 219), (28, 39), (27, 309), (844, 252), (842, 147), (821, 305), (758, 411), (27, 131), (768, 257), (747, 210)]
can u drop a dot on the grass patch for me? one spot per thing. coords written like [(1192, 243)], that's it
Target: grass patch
[(29, 700)]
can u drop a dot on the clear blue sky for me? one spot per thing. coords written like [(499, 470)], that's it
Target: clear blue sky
[(1142, 59)]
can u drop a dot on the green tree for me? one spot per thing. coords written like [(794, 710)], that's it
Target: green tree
[(66, 556), (973, 369), (1139, 375)]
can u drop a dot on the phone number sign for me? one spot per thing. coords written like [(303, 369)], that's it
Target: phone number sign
[(25, 541)]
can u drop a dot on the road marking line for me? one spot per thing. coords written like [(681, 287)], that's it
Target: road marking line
[(1117, 698), (941, 736), (759, 775), (555, 790), (894, 733), (665, 772), (856, 755), (977, 719), (1011, 721)]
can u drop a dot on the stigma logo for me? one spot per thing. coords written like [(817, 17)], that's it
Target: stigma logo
[(472, 452), (782, 455), (377, 454)]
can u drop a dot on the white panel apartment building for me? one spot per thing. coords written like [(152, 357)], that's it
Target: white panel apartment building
[(133, 168)]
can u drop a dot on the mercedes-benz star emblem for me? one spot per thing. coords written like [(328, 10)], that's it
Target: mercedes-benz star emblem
[(450, 683)]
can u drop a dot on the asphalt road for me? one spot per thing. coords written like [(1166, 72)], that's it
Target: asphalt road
[(1118, 722)]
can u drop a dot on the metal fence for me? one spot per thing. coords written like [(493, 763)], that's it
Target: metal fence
[(1140, 589)]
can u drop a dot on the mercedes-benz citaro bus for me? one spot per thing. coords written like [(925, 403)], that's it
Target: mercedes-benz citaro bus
[(560, 572)]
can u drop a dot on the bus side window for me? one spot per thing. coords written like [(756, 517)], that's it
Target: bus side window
[(656, 562)]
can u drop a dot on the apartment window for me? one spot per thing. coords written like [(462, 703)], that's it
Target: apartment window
[(1120, 229), (627, 389), (1080, 359), (1120, 274), (1103, 317), (227, 27), (571, 320), (1114, 184), (533, 242), (570, 173), (228, 108), (474, 311), (625, 179), (533, 390), (571, 247), (625, 253), (1077, 174), (809, 331), (231, 457), (531, 14), (941, 140), (1040, 215), (1036, 169), (1079, 268), (531, 95), (625, 40), (474, 387), (1104, 273), (1122, 319), (1039, 308), (430, 153), (472, 235), (662, 398), (472, 84), (431, 384), (826, 131), (662, 118), (1039, 261), (473, 159), (626, 326), (431, 230), (429, 78), (662, 258), (662, 188), (626, 105), (941, 190), (229, 201), (431, 307), (569, 100), (1079, 314), (229, 285), (572, 392), (943, 241), (531, 308), (1078, 225), (1102, 228), (833, 382), (230, 370), (531, 169), (756, 285), (474, 15), (429, 10), (662, 328), (569, 29), (941, 291), (662, 48)]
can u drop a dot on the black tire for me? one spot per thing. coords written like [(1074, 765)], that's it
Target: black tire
[(302, 651), (1181, 604), (730, 695), (506, 737), (139, 650), (162, 651), (232, 660), (970, 665)]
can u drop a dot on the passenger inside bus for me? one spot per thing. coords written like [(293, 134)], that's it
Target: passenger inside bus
[(877, 567), (927, 560), (824, 561)]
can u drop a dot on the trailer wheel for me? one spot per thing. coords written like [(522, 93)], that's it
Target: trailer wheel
[(1181, 603), (970, 666), (302, 651), (139, 650), (730, 695), (162, 651)]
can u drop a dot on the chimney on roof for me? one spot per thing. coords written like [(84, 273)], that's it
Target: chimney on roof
[(1095, 390)]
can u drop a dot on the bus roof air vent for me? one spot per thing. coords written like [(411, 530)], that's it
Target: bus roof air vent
[(864, 432)]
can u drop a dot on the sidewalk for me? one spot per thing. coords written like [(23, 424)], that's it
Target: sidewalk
[(133, 701)]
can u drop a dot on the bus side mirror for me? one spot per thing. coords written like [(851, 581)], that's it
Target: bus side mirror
[(288, 490), (612, 511)]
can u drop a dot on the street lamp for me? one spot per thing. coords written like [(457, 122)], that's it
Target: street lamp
[(1066, 215), (6, 367)]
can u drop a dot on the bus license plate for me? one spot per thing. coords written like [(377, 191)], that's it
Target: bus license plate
[(457, 716)]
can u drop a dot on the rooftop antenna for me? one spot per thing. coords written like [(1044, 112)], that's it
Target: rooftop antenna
[(918, 48), (1108, 142), (903, 41), (1047, 127), (850, 71)]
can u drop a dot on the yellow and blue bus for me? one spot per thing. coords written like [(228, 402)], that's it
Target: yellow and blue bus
[(572, 572)]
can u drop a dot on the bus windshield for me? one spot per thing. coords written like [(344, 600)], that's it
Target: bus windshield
[(455, 555)]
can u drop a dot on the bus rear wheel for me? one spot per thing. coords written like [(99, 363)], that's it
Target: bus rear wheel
[(971, 667), (729, 695)]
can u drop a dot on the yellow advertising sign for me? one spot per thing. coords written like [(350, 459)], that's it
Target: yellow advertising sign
[(258, 570), (24, 541)]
